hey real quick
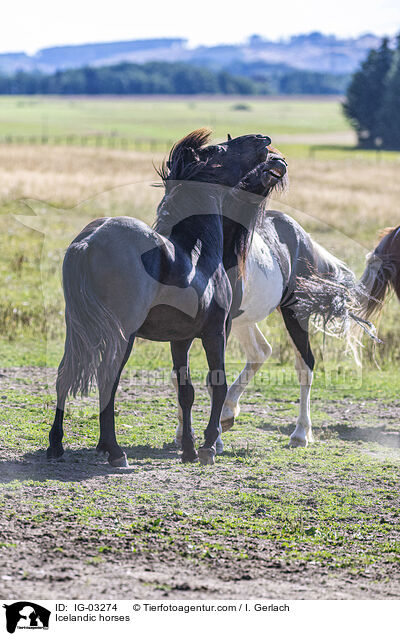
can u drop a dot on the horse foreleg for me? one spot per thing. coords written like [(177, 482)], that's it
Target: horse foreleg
[(257, 349), (219, 444), (107, 390), (179, 428), (304, 362), (185, 390), (215, 351)]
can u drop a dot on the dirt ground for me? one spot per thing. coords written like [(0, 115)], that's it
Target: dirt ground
[(54, 556)]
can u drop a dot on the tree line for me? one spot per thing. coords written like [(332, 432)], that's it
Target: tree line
[(165, 78), (152, 78), (372, 102)]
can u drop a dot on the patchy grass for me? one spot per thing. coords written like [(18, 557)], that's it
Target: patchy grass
[(330, 511)]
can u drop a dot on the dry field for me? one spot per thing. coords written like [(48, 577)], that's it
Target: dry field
[(356, 197), (344, 203)]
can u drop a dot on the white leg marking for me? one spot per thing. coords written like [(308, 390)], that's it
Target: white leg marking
[(257, 349), (302, 434)]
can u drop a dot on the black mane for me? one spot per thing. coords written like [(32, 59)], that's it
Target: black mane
[(183, 162), (194, 163)]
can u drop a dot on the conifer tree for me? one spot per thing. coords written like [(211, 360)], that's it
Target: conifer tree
[(364, 98), (389, 114)]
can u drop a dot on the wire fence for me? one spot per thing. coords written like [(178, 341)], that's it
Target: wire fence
[(146, 144), (91, 141)]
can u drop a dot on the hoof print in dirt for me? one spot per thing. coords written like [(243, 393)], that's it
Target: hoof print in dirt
[(207, 456)]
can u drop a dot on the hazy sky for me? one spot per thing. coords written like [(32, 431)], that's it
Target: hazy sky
[(28, 25)]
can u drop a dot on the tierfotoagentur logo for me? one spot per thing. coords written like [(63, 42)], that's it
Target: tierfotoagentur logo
[(26, 615)]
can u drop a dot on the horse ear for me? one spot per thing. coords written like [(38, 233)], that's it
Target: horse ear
[(229, 137)]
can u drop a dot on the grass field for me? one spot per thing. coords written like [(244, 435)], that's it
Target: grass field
[(168, 118), (265, 521)]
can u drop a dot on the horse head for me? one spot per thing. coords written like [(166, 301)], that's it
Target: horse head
[(194, 158)]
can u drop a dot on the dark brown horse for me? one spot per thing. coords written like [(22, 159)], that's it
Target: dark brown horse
[(382, 272)]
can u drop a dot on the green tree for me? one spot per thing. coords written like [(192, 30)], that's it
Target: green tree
[(389, 114), (363, 105)]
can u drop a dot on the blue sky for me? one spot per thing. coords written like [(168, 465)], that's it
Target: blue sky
[(28, 25)]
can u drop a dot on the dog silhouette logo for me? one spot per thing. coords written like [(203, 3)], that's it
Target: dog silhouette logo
[(26, 615)]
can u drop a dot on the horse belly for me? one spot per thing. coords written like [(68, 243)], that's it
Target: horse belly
[(165, 323), (263, 287)]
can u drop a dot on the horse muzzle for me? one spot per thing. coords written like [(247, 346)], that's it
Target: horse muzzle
[(275, 169)]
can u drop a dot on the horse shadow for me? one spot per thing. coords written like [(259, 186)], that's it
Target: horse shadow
[(378, 434), (80, 465)]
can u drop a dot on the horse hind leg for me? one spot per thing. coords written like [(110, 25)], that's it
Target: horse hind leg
[(304, 363), (257, 349), (302, 434), (107, 390), (56, 449)]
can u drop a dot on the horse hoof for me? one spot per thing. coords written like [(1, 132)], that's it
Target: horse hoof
[(226, 425), (55, 453), (219, 448), (120, 462), (189, 457), (207, 456), (100, 450), (297, 442)]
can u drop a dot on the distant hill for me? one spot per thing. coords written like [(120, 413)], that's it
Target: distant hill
[(309, 52)]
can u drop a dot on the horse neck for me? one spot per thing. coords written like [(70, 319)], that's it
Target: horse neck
[(240, 213), (392, 257), (190, 214), (387, 261)]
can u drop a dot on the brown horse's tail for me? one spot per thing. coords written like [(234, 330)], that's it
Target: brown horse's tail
[(382, 273)]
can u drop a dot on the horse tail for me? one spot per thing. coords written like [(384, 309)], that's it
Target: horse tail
[(382, 273), (93, 333), (333, 298)]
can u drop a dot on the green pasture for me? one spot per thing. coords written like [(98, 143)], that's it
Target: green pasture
[(308, 126), (167, 119)]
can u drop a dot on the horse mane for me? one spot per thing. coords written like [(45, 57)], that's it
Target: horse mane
[(178, 166), (385, 231), (187, 163), (184, 165), (382, 273)]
